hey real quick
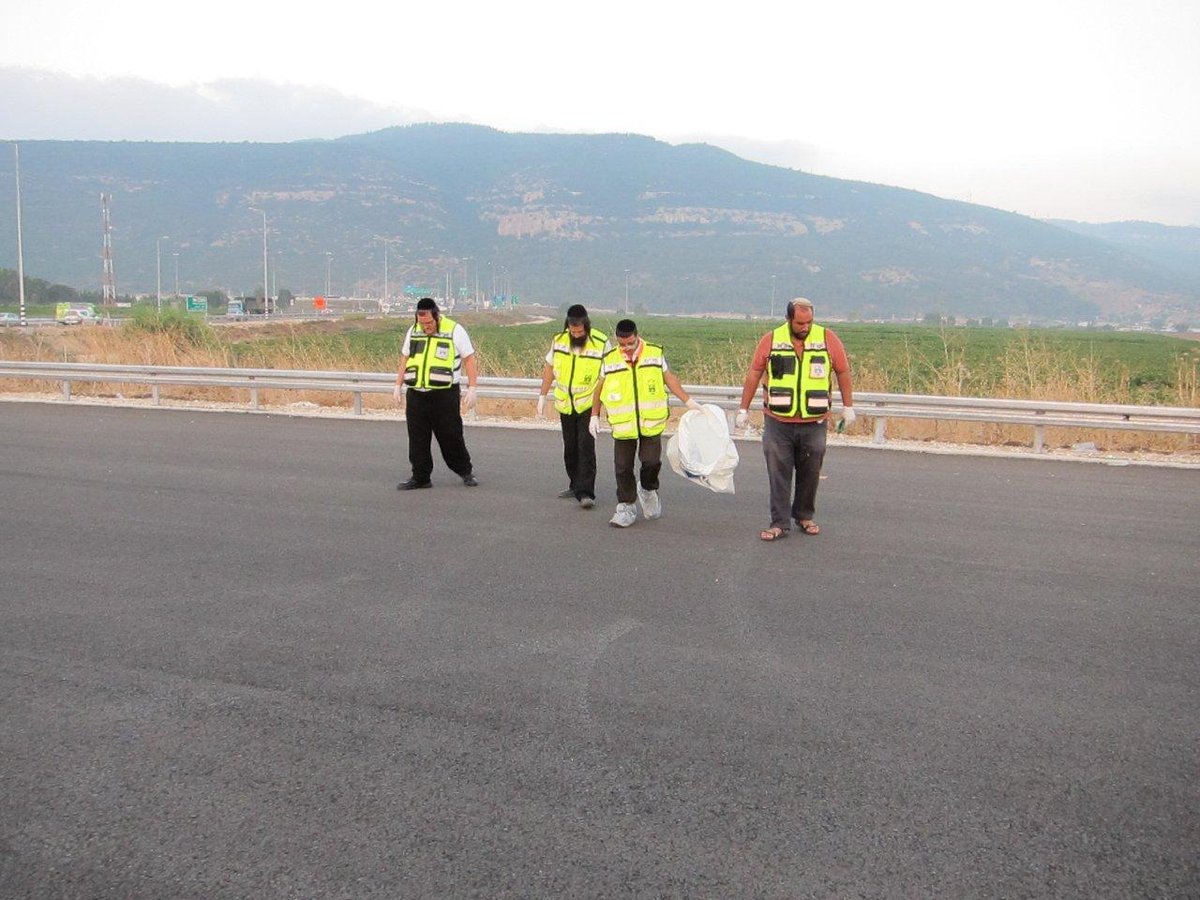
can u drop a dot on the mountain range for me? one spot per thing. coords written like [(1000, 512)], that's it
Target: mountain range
[(571, 218)]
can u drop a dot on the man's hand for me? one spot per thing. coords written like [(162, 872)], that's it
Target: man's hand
[(541, 405), (743, 419), (594, 426), (470, 399), (692, 404), (848, 417), (398, 395)]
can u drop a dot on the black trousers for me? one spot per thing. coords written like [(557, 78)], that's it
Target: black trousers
[(579, 453), (431, 414), (648, 450)]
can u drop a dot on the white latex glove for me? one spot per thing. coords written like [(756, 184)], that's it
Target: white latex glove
[(469, 400), (541, 405), (848, 416), (743, 419), (692, 404), (398, 394), (594, 426)]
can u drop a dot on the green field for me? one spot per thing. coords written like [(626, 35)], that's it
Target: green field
[(1090, 366)]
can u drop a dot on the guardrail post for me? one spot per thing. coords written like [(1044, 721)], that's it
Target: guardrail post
[(66, 390), (154, 394), (1039, 435), (253, 396), (880, 427), (358, 403)]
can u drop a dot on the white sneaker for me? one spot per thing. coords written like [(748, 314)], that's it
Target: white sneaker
[(625, 516), (651, 505)]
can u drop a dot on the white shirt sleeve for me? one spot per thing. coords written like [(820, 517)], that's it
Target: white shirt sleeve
[(462, 342), (406, 347)]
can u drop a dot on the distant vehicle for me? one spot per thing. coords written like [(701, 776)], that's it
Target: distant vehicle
[(250, 306), (9, 319), (75, 313)]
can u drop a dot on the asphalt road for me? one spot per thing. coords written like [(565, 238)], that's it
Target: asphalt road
[(236, 662)]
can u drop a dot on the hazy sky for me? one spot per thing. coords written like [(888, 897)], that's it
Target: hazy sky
[(1083, 109)]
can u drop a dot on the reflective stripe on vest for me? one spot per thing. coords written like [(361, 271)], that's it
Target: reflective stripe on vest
[(432, 358), (576, 374), (798, 386), (635, 398)]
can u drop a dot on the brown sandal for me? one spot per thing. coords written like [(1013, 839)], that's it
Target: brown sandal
[(809, 528), (774, 533)]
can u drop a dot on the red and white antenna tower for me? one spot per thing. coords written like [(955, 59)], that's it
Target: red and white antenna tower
[(109, 283)]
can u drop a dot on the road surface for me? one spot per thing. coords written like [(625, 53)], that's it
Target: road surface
[(236, 662)]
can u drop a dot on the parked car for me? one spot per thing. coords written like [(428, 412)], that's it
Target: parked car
[(7, 318)]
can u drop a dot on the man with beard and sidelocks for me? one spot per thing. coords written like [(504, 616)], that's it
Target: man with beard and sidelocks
[(435, 355), (573, 367), (799, 360)]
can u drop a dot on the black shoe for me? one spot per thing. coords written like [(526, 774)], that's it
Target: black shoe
[(413, 485), (569, 492), (469, 481)]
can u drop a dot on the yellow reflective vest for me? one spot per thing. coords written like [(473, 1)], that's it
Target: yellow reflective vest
[(635, 397), (576, 374), (798, 386), (432, 358)]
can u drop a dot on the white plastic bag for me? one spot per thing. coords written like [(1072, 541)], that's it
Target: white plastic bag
[(702, 451)]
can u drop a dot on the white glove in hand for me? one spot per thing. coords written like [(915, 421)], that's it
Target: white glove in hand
[(541, 405), (398, 394), (469, 400), (692, 404), (594, 426), (743, 419), (848, 416)]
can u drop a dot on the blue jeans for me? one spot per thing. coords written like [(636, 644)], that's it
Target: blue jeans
[(793, 448)]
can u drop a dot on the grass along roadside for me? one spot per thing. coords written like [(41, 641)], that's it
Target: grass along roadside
[(1088, 367)]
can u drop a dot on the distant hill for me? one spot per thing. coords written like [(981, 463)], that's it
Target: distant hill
[(1173, 248), (559, 218)]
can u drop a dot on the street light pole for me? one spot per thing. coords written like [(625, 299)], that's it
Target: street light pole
[(20, 251), (627, 293), (772, 296), (175, 253), (328, 265), (158, 269), (266, 283)]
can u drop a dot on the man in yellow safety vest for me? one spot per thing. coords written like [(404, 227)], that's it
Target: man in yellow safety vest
[(436, 353), (796, 365), (573, 367), (634, 380)]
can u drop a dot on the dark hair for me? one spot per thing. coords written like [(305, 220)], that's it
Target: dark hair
[(577, 314), (625, 328), (427, 304)]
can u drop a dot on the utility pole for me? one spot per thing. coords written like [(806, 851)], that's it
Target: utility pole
[(108, 282)]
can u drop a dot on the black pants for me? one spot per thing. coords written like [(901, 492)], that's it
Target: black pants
[(433, 414), (649, 451), (579, 453)]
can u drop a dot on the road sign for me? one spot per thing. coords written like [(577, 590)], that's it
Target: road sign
[(197, 304)]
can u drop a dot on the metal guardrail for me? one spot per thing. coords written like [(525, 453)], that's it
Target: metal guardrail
[(1037, 414)]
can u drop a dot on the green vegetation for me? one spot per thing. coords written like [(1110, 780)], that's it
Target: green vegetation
[(186, 329), (1102, 367)]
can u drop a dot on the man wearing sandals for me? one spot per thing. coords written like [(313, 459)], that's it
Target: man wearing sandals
[(796, 364)]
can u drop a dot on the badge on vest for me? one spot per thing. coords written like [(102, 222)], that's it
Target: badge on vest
[(442, 351), (817, 369)]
